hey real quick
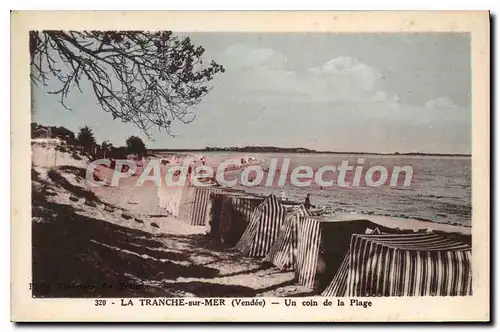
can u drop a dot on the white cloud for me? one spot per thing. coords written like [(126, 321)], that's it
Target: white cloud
[(243, 56), (384, 96), (348, 73), (441, 103), (264, 74)]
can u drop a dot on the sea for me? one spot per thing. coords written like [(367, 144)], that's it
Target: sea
[(440, 188)]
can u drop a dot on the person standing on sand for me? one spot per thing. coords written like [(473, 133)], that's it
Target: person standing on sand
[(307, 202), (283, 195)]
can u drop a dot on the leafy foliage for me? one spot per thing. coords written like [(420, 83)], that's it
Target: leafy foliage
[(106, 147), (135, 145), (86, 139), (150, 79)]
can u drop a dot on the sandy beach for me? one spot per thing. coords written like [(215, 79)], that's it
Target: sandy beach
[(246, 177), (120, 236), (126, 237)]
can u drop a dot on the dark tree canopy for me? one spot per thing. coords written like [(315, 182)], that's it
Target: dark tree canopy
[(150, 79), (106, 147), (135, 145), (86, 139)]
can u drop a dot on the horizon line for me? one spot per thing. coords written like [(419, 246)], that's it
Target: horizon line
[(305, 150)]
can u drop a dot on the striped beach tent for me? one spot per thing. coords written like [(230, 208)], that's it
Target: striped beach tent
[(187, 202), (202, 204), (230, 214), (282, 253), (322, 242), (263, 228), (418, 264), (196, 204), (170, 198)]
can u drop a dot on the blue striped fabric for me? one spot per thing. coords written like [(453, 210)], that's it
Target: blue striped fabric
[(263, 229), (419, 264), (283, 252)]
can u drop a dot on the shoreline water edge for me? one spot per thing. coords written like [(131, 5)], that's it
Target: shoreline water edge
[(231, 173)]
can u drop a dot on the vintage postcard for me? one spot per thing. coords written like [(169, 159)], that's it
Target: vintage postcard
[(250, 166)]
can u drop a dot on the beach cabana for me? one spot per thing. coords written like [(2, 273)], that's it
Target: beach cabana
[(418, 264), (322, 242), (170, 198), (263, 228), (230, 213), (196, 203), (186, 203), (282, 253)]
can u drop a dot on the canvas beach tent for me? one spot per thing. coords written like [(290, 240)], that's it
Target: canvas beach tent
[(282, 253), (263, 228), (196, 204), (169, 198), (375, 231), (322, 242), (230, 213), (187, 202), (418, 264)]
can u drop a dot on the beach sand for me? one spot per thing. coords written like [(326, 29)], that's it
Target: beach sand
[(405, 223), (127, 238), (120, 235)]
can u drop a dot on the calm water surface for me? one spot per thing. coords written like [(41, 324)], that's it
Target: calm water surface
[(440, 190)]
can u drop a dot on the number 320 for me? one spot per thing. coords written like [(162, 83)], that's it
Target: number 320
[(100, 303)]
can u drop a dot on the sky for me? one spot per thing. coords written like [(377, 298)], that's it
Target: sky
[(338, 92)]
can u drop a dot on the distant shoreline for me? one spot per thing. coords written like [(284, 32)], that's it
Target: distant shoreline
[(272, 149)]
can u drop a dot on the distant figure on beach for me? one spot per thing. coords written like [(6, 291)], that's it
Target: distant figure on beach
[(307, 202), (283, 195)]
